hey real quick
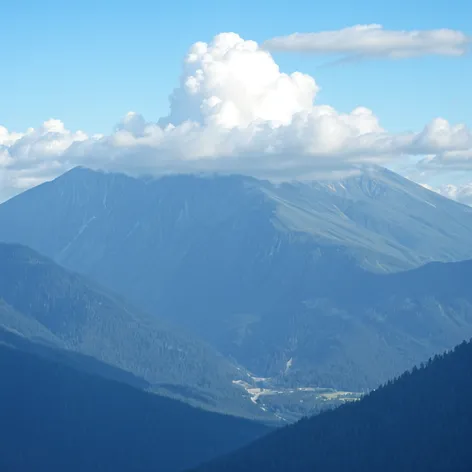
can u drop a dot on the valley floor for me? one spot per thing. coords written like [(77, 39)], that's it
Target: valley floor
[(291, 404)]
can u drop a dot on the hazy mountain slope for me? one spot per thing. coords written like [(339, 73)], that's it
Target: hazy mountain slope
[(364, 329), (84, 363), (18, 324), (421, 422), (385, 221), (255, 268), (378, 212), (56, 418), (47, 302)]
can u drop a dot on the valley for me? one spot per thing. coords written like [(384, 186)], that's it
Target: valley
[(290, 404), (316, 285), (392, 428)]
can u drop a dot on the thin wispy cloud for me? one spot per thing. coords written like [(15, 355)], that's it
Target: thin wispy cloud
[(373, 41)]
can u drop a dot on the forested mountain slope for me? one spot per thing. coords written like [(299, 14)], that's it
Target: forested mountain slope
[(56, 418), (421, 422), (44, 302)]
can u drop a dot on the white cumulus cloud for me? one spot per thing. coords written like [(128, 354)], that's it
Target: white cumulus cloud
[(233, 83), (374, 41), (234, 111)]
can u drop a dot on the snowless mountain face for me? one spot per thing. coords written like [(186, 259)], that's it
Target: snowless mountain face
[(257, 269), (52, 307), (384, 221), (56, 417)]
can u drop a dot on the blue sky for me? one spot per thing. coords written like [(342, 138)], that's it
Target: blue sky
[(88, 63)]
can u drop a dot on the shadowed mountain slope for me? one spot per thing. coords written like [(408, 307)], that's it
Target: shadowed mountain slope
[(45, 303), (421, 422), (56, 418)]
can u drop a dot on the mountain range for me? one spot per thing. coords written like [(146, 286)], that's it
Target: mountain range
[(314, 284)]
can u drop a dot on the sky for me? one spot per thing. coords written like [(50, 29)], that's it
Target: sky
[(368, 81)]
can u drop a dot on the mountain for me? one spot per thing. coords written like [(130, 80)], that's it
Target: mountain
[(421, 422), (381, 219), (57, 418), (260, 270), (363, 330), (81, 362), (47, 304)]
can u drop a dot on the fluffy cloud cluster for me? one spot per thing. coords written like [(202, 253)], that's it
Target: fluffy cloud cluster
[(374, 41), (448, 148), (29, 158), (234, 111)]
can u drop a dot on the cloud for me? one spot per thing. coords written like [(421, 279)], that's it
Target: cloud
[(460, 193), (439, 136), (446, 147), (234, 111), (368, 41), (30, 158), (460, 160), (234, 83)]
